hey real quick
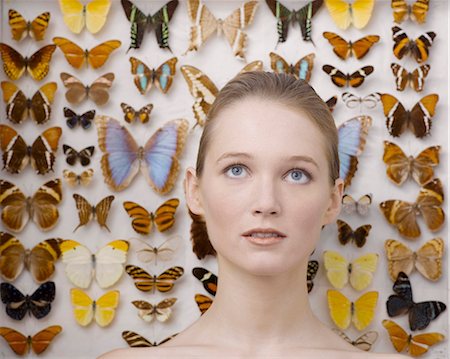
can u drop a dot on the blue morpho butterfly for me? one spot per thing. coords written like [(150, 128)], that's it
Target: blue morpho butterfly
[(352, 140), (157, 159), (144, 77), (301, 70)]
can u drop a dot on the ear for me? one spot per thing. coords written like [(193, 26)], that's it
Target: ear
[(192, 191), (335, 203)]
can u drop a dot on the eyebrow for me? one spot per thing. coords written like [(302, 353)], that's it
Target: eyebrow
[(227, 155)]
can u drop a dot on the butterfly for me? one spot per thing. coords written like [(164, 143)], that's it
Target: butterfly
[(19, 107), (163, 218), (18, 304), (77, 57), (343, 311), (427, 260), (352, 141), (144, 77), (87, 212), (313, 267), (417, 11), (22, 345), (73, 119), (20, 27), (161, 311), (418, 119), (331, 102), (147, 253), (419, 314), (344, 49), (40, 260), (303, 17), (400, 166), (418, 48), (369, 101), (204, 24), (73, 179), (415, 79), (347, 234), (131, 115), (301, 70), (97, 91), (146, 282), (344, 13), (76, 15), (157, 159), (208, 279), (84, 155), (41, 207), (359, 271), (81, 265), (135, 340), (203, 302), (361, 206), (364, 342), (140, 23), (201, 245), (415, 345), (85, 310), (340, 79)]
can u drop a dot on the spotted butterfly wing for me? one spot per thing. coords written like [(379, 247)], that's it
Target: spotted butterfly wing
[(313, 267)]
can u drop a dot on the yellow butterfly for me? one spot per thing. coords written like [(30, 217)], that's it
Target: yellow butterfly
[(76, 15), (359, 272), (344, 13), (20, 27), (360, 312), (85, 309)]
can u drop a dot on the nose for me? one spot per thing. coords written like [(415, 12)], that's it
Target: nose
[(266, 198)]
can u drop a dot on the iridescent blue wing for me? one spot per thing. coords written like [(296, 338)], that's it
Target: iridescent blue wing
[(303, 68), (142, 75), (164, 74)]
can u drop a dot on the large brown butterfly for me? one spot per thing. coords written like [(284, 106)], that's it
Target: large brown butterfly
[(97, 91), (344, 49), (40, 260), (37, 65), (19, 107), (20, 27), (87, 212), (418, 48), (403, 215), (418, 119), (415, 79), (77, 57), (355, 79), (417, 11), (131, 115), (400, 166), (147, 282), (41, 207), (16, 153), (347, 234), (22, 344), (301, 70), (135, 340)]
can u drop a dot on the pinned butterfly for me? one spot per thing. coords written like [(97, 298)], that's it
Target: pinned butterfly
[(21, 28)]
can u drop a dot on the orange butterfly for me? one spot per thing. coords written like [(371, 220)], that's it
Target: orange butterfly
[(344, 49), (354, 79), (203, 302), (417, 11), (20, 28), (418, 48), (22, 345)]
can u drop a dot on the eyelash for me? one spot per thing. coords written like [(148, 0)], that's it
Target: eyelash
[(237, 164)]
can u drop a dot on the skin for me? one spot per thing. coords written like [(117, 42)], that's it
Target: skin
[(261, 188)]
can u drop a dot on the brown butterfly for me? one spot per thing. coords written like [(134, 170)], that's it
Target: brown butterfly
[(40, 260), (203, 302), (19, 107), (83, 155), (355, 79), (37, 65), (22, 345), (402, 214), (77, 57), (16, 153), (131, 115), (160, 311), (20, 27), (135, 340), (144, 77), (344, 49), (418, 48), (147, 282), (331, 102), (86, 212), (41, 207), (400, 167), (417, 11), (418, 119), (73, 179), (347, 234), (301, 70), (415, 79), (201, 245), (364, 342), (97, 91)]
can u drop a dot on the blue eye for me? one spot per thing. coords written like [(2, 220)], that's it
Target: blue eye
[(234, 171), (299, 176)]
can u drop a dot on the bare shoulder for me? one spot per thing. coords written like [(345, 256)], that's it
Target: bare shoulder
[(154, 352)]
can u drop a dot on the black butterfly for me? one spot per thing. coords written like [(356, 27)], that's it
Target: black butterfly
[(17, 304), (313, 267), (84, 155), (420, 314), (73, 119), (208, 279)]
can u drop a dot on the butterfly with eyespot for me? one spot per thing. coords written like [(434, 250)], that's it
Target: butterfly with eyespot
[(358, 236), (203, 302), (313, 267), (144, 77), (135, 340), (417, 11), (208, 279), (146, 282), (73, 179), (415, 79), (140, 23), (363, 342), (369, 101), (161, 311), (73, 119), (84, 155), (358, 12), (354, 79), (427, 259), (285, 17), (361, 206), (21, 28), (87, 212), (165, 251), (344, 49), (131, 115), (22, 344), (301, 70), (41, 207), (157, 159), (77, 57), (418, 48), (76, 15), (37, 65), (106, 265), (419, 314), (18, 304), (97, 91), (40, 260)]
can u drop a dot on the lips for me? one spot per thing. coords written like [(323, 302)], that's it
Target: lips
[(264, 236)]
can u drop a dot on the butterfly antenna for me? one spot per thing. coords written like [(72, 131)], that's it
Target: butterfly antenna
[(104, 225), (77, 227)]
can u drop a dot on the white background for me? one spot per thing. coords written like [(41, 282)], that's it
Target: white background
[(216, 60)]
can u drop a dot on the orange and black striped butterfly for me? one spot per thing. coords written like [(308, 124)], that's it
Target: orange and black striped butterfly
[(21, 28), (208, 279), (418, 48), (344, 49), (414, 79), (135, 340), (203, 302), (354, 79), (417, 11), (147, 282), (22, 344)]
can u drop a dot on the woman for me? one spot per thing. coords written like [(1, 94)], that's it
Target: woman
[(266, 181)]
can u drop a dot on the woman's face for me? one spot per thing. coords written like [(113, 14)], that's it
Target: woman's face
[(265, 169)]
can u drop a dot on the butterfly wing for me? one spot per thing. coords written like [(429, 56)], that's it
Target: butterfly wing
[(16, 303), (98, 92), (160, 22), (109, 262), (16, 102), (15, 213), (146, 310), (43, 150), (348, 204), (365, 341), (96, 13), (142, 280), (138, 22), (73, 53), (363, 204), (15, 150), (429, 259), (341, 47), (402, 215), (420, 343), (304, 17), (12, 256), (283, 15), (14, 63), (105, 309), (163, 309), (83, 306), (86, 177), (402, 301), (165, 281), (398, 165), (303, 68), (422, 166), (16, 341), (421, 314), (143, 75), (364, 310), (142, 221), (71, 154), (313, 267), (43, 205), (135, 340), (361, 12), (73, 14), (401, 76), (165, 214), (204, 24), (397, 117), (164, 75), (429, 203), (76, 92), (102, 210), (357, 78), (422, 44), (78, 263), (361, 47), (208, 279), (397, 335), (340, 12), (85, 155), (419, 10), (42, 259), (41, 103), (400, 258), (417, 77), (337, 269), (421, 114), (337, 77), (85, 210), (38, 64), (340, 308), (278, 64), (40, 301), (362, 270), (203, 302)]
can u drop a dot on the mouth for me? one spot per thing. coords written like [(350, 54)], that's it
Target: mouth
[(264, 236)]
